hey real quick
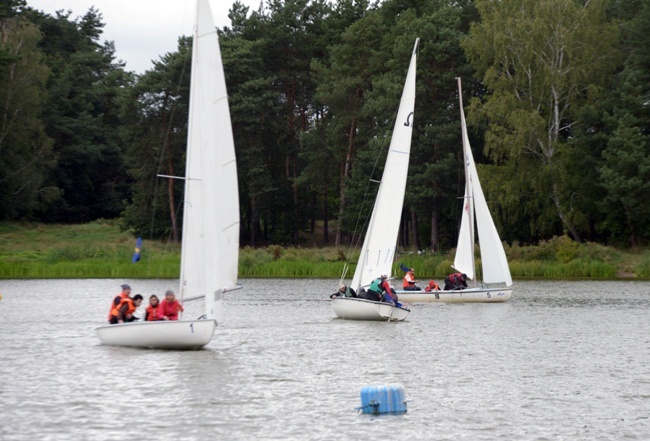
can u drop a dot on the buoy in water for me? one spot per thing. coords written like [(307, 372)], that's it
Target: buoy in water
[(378, 399)]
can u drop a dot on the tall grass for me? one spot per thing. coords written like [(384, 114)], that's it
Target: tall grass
[(100, 250)]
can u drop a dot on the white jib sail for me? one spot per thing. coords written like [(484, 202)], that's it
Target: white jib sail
[(378, 249)]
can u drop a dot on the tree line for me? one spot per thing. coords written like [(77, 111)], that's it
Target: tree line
[(559, 113)]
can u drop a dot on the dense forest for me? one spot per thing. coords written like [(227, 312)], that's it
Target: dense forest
[(558, 95)]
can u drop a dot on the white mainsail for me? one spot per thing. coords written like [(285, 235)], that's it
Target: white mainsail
[(210, 248), (493, 257), (379, 245)]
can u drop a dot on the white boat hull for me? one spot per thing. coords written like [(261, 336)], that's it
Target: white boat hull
[(176, 334), (470, 295), (361, 309)]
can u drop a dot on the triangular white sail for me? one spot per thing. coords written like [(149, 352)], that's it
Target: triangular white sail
[(210, 249), (378, 249), (493, 256)]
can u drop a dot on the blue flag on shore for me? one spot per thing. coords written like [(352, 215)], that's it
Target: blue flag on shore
[(136, 253)]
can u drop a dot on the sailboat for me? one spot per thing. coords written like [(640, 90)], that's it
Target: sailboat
[(380, 242), (210, 248), (493, 257)]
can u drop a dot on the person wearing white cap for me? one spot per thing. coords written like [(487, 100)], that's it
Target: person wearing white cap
[(379, 289), (344, 291), (126, 292)]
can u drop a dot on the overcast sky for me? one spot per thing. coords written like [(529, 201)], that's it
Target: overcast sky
[(142, 30)]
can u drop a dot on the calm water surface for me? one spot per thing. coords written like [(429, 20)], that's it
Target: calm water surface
[(560, 361)]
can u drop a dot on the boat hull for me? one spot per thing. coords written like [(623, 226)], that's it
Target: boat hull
[(470, 295), (176, 334), (351, 308)]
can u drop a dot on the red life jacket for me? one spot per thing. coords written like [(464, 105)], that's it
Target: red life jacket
[(456, 278), (170, 310), (154, 313)]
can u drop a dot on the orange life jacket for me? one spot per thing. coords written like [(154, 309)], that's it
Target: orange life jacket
[(130, 310), (120, 296), (433, 286), (409, 279), (154, 313)]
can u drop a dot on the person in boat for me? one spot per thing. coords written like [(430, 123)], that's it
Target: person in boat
[(455, 281), (123, 312), (432, 286), (126, 292), (381, 291), (170, 306), (409, 280), (344, 291), (154, 310)]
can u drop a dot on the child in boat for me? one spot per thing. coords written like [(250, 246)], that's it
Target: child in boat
[(154, 310), (170, 306), (432, 286), (123, 313)]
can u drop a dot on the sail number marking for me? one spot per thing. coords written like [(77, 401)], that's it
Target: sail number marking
[(192, 327)]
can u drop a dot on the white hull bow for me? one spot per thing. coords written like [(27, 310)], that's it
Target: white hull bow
[(176, 334), (361, 309)]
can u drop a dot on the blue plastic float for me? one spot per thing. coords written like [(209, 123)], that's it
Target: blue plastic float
[(379, 399)]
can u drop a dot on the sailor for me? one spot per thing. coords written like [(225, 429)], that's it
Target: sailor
[(154, 310), (126, 292), (409, 281), (170, 306), (344, 291), (124, 311), (432, 286), (380, 290), (455, 281)]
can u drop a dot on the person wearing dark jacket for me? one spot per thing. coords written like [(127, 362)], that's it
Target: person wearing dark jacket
[(124, 311), (344, 291), (455, 281)]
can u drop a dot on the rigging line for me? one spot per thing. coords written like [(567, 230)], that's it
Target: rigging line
[(165, 143)]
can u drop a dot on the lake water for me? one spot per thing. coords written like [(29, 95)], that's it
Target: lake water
[(560, 361)]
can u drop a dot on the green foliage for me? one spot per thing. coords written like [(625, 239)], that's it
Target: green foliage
[(82, 116), (540, 60), (100, 249), (559, 120), (643, 269), (26, 156)]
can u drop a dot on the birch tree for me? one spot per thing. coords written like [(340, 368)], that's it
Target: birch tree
[(540, 60)]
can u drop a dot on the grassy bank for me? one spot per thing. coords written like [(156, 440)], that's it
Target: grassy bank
[(100, 250)]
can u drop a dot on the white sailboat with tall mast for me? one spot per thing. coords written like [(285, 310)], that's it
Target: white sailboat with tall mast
[(210, 249), (380, 242), (493, 257)]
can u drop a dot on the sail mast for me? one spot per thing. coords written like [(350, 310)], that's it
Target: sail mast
[(468, 203)]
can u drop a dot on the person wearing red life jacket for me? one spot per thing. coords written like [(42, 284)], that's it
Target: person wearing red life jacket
[(455, 281), (123, 313), (126, 292), (432, 286), (154, 310), (170, 306)]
